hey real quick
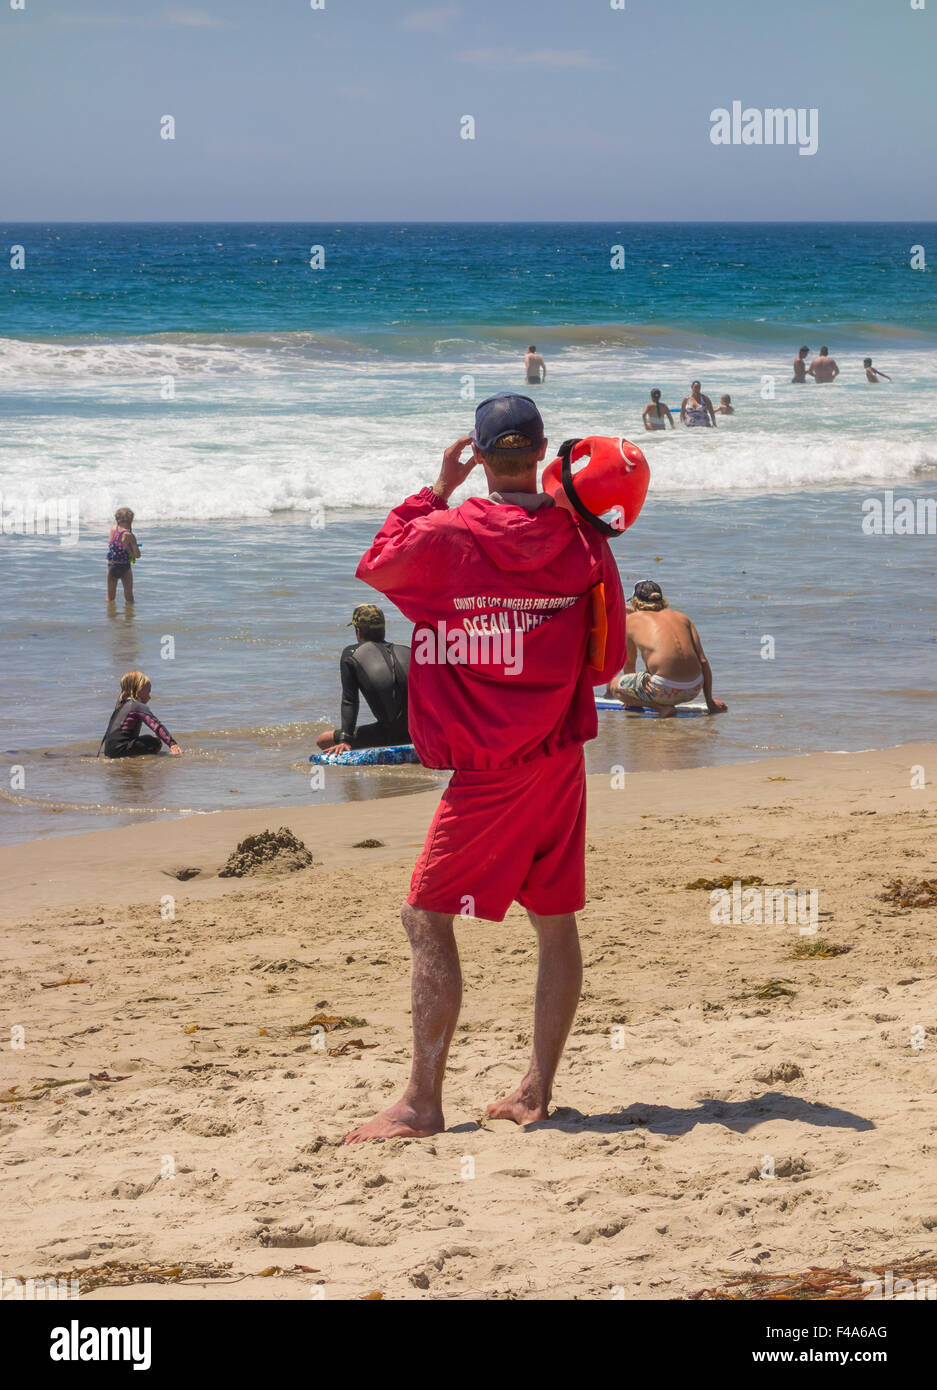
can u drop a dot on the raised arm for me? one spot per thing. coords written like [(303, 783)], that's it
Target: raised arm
[(395, 563)]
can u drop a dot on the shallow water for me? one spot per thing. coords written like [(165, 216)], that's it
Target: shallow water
[(261, 417), (256, 613)]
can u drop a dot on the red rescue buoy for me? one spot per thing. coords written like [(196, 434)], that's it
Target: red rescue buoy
[(608, 492)]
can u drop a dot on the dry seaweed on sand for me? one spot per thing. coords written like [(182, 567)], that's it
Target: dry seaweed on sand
[(40, 1089), (772, 989), (819, 949), (727, 881), (911, 893), (266, 851), (352, 1045), (329, 1022), (823, 1285), (120, 1273)]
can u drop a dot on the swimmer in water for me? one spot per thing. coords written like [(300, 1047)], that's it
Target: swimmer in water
[(669, 644), (535, 369), (122, 737), (800, 368), (725, 406), (872, 374), (122, 549), (824, 368), (656, 414), (696, 408)]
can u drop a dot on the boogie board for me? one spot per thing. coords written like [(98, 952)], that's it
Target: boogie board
[(368, 757), (682, 711)]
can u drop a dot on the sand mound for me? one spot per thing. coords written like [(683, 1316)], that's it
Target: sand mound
[(272, 851)]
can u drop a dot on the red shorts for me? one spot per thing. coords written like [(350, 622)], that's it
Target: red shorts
[(515, 833)]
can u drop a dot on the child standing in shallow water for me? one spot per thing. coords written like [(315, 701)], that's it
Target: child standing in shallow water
[(122, 550), (122, 737)]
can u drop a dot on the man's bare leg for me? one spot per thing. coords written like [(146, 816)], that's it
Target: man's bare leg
[(436, 998), (559, 982)]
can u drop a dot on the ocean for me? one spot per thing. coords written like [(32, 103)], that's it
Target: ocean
[(260, 416)]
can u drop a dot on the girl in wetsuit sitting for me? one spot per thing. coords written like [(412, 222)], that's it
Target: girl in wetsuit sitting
[(122, 550), (122, 737)]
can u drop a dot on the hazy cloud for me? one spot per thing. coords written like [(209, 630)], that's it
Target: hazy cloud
[(432, 20), (194, 19), (538, 57), (182, 19)]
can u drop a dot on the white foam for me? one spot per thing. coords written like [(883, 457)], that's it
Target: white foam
[(257, 428)]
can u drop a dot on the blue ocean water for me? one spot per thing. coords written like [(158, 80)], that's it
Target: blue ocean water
[(393, 287), (260, 416)]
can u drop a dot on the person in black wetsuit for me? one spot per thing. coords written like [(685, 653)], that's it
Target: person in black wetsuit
[(377, 670), (122, 737)]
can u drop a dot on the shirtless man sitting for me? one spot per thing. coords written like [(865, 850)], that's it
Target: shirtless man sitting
[(670, 647)]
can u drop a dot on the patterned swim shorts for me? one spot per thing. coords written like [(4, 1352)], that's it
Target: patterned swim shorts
[(657, 690)]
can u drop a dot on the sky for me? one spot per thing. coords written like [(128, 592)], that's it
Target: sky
[(354, 111)]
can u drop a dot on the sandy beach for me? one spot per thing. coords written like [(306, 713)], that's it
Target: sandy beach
[(680, 1086)]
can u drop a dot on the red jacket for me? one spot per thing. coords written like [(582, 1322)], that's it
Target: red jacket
[(502, 606)]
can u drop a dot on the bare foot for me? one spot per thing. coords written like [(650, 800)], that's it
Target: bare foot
[(399, 1121), (668, 712), (520, 1106)]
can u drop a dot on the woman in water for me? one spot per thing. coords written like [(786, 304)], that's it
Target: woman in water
[(655, 414), (122, 737), (697, 409), (122, 550)]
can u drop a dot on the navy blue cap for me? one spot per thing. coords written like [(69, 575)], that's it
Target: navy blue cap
[(506, 413)]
